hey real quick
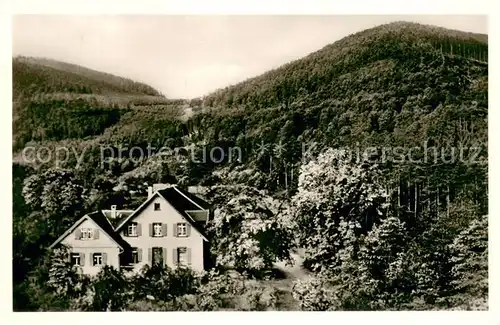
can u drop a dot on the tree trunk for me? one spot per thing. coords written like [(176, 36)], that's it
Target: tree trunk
[(416, 200), (286, 177), (399, 193), (408, 196), (437, 200), (448, 202)]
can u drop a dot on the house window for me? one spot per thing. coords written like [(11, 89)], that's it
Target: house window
[(97, 259), (135, 255), (75, 258), (181, 229), (87, 233), (157, 206), (157, 230), (182, 255), (157, 256), (132, 229)]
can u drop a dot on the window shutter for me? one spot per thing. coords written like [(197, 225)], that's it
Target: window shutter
[(78, 234), (174, 256), (82, 259), (188, 229), (104, 258), (125, 231), (150, 230), (96, 233), (164, 229), (164, 256), (139, 254), (175, 230), (139, 230), (189, 255), (150, 255)]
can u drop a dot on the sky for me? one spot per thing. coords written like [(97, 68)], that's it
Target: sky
[(191, 56)]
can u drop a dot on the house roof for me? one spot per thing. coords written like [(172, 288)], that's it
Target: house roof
[(100, 218), (102, 222), (180, 200), (183, 200), (120, 216)]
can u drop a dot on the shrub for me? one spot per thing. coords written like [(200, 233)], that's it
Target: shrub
[(163, 283), (110, 290), (313, 294)]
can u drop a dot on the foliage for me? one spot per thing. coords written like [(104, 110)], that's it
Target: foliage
[(331, 190), (248, 235), (55, 191), (391, 268), (109, 290), (470, 259), (163, 283), (313, 294), (64, 277)]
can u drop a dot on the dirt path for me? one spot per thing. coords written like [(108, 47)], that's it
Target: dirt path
[(295, 271)]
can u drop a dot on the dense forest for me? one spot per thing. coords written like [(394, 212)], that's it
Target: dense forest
[(402, 226)]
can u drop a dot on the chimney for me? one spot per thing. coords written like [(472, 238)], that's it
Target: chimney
[(150, 192), (113, 211)]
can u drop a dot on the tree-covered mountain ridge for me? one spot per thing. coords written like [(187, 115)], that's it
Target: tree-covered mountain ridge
[(54, 100), (74, 78), (395, 84), (347, 54)]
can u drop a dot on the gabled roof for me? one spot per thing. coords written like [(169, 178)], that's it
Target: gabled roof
[(183, 200), (120, 216), (193, 198), (180, 200), (102, 222)]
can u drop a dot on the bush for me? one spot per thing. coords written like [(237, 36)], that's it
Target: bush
[(163, 283), (109, 290), (256, 297), (313, 294)]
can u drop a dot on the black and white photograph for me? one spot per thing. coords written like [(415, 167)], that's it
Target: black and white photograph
[(249, 163)]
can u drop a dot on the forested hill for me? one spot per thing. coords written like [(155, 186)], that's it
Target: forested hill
[(53, 100), (40, 75), (398, 84), (315, 72)]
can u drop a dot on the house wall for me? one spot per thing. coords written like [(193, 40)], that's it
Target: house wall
[(170, 216), (104, 244)]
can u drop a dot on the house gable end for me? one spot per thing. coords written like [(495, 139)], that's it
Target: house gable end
[(136, 215), (104, 237), (136, 212)]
